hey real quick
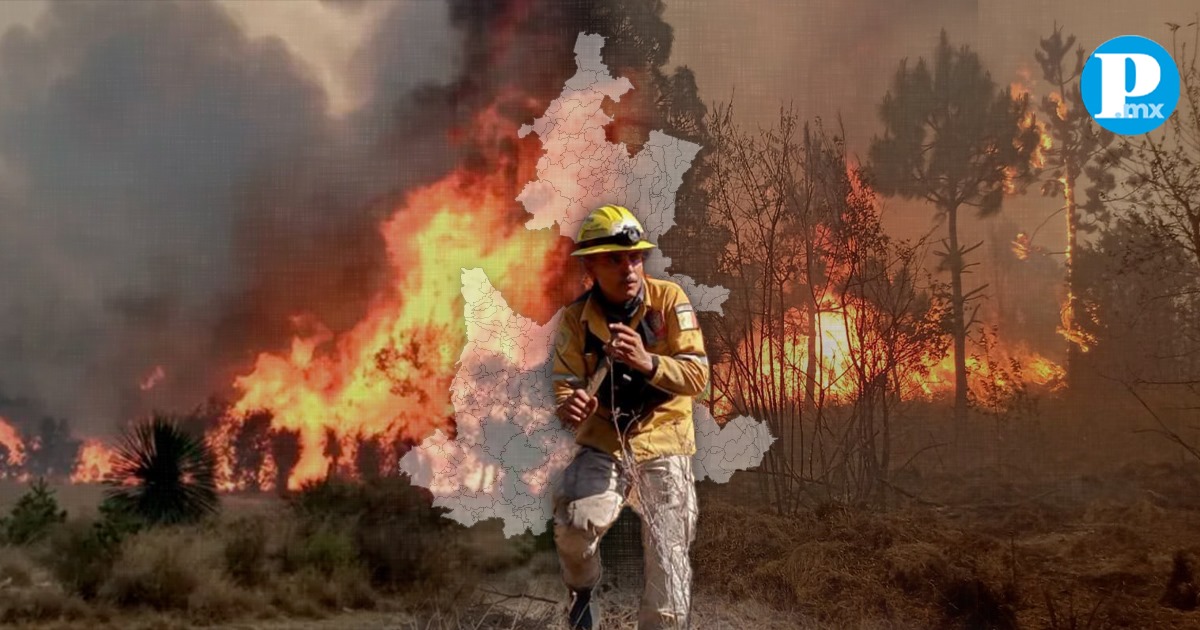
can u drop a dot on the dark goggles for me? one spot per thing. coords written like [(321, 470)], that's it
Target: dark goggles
[(627, 237)]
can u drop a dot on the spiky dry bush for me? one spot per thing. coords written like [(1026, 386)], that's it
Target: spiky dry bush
[(163, 474)]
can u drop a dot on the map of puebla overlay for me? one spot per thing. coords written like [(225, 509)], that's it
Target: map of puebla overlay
[(510, 447)]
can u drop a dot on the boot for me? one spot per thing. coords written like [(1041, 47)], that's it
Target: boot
[(583, 612)]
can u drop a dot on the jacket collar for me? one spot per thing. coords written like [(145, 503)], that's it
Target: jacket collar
[(593, 312)]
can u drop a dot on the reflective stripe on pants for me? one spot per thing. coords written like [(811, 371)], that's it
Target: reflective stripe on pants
[(662, 491)]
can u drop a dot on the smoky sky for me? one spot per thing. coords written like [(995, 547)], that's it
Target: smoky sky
[(172, 190), (836, 61)]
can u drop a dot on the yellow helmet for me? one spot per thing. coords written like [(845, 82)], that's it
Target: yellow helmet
[(610, 229)]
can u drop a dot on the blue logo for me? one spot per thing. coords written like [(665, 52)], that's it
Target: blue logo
[(1130, 85)]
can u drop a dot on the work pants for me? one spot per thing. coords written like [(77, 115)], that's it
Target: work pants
[(662, 491)]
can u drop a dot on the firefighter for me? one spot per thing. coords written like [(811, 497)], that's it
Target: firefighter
[(634, 432)]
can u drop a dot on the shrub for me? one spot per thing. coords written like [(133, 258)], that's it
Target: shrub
[(161, 568), (117, 522), (33, 516), (289, 596), (218, 601), (393, 523), (16, 569), (246, 551), (346, 587), (163, 474), (323, 548), (38, 605), (81, 556)]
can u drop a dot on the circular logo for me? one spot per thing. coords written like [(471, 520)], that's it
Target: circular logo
[(1130, 85)]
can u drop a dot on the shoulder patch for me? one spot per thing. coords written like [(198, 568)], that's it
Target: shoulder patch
[(686, 316)]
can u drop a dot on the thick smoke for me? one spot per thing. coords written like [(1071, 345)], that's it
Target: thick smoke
[(174, 191)]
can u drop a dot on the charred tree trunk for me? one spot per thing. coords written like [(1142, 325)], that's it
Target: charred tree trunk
[(1071, 309), (958, 317)]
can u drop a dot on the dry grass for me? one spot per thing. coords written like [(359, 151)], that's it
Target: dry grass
[(1097, 552), (162, 568), (17, 568)]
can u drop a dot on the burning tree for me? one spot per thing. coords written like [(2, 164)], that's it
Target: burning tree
[(828, 323), (953, 139), (251, 448), (1075, 143), (285, 454)]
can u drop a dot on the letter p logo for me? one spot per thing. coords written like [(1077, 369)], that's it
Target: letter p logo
[(1130, 85), (1146, 75)]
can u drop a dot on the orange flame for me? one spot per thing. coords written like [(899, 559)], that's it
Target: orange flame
[(11, 440), (1045, 142), (1020, 246), (782, 366), (94, 464), (1019, 91), (1069, 328), (1060, 106), (390, 375)]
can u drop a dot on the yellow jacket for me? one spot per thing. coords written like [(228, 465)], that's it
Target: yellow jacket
[(670, 330)]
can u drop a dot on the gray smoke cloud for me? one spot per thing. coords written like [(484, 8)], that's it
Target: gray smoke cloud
[(172, 191)]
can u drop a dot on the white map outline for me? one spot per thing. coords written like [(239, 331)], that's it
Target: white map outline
[(510, 448)]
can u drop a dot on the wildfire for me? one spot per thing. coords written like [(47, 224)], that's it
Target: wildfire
[(1037, 159), (1070, 330), (94, 464), (1060, 106), (998, 373), (13, 444), (830, 363), (839, 361), (1045, 142), (389, 376), (1045, 372), (1024, 78), (1019, 91), (1020, 246)]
